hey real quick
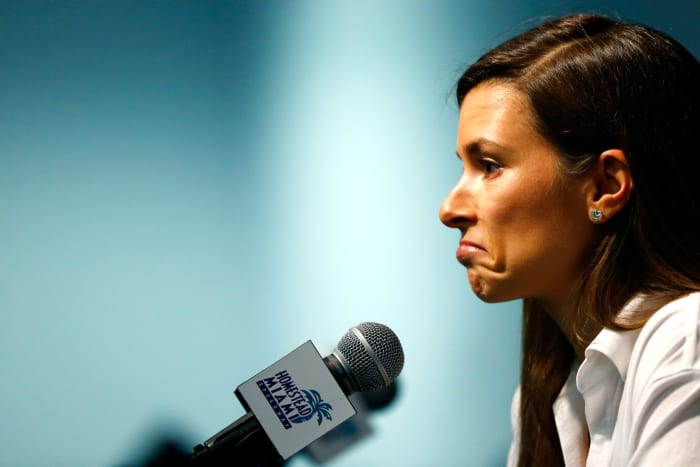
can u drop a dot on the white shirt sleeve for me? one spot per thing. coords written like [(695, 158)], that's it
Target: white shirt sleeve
[(514, 450)]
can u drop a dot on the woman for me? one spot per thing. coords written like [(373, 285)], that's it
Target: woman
[(579, 194)]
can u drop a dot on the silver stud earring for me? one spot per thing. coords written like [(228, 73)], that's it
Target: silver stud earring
[(596, 215)]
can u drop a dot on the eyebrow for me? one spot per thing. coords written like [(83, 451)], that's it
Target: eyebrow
[(478, 145)]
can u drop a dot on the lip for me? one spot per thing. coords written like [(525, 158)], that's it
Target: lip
[(466, 251)]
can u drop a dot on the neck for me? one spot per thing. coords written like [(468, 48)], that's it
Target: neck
[(577, 328)]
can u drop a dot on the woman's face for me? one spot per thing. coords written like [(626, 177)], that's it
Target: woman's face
[(524, 232)]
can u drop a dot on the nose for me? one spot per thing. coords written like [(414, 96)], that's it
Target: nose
[(456, 209)]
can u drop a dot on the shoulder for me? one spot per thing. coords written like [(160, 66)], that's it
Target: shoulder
[(659, 415), (669, 343), (675, 324)]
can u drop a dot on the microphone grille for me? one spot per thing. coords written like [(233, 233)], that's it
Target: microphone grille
[(374, 355)]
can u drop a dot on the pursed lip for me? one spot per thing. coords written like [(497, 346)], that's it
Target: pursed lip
[(467, 250)]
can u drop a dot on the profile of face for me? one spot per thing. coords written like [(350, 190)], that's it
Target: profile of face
[(525, 231)]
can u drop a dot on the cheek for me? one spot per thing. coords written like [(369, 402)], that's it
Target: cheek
[(531, 223), (517, 209), (540, 232)]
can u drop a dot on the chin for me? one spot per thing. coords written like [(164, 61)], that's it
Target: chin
[(481, 290), (489, 294), (487, 298), (490, 291)]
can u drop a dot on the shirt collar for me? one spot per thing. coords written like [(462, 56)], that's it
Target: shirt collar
[(617, 346)]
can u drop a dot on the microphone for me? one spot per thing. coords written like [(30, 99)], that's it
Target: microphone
[(355, 429), (301, 397)]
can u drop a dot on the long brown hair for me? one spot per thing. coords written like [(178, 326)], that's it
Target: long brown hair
[(594, 84)]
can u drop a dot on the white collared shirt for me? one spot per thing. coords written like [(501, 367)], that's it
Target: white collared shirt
[(637, 393)]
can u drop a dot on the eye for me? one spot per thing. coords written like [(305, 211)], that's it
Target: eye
[(490, 167)]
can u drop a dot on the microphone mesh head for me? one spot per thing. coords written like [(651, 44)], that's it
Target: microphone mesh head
[(377, 361)]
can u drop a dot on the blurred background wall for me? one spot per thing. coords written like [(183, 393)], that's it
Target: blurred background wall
[(191, 189)]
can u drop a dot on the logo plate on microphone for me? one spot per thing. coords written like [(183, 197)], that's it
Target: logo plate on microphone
[(296, 400)]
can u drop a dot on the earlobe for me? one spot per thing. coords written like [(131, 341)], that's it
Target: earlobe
[(613, 185), (596, 215)]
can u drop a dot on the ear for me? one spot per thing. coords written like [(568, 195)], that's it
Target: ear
[(613, 185)]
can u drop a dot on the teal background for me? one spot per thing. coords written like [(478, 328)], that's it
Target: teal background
[(191, 189)]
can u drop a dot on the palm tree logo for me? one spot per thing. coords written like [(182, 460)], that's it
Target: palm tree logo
[(318, 407)]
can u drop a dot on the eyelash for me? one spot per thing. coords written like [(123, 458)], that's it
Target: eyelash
[(489, 166), (486, 165)]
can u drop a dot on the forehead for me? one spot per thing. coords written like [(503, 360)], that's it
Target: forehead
[(497, 112)]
